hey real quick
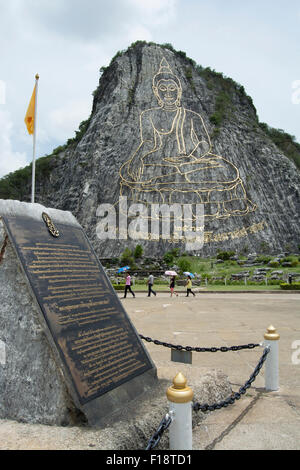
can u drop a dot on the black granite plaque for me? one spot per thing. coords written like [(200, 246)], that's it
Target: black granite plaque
[(99, 347)]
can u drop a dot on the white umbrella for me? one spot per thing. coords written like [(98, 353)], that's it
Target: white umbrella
[(171, 273)]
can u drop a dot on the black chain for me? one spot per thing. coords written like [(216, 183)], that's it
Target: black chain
[(235, 396), (190, 348), (154, 440)]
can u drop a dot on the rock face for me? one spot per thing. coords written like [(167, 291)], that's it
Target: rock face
[(163, 131), (32, 388)]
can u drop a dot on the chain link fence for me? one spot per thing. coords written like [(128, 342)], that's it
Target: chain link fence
[(237, 395), (163, 426), (198, 349), (167, 420)]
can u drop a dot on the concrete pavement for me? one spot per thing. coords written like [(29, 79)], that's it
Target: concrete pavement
[(260, 420)]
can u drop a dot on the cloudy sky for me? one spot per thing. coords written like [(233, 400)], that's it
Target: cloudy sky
[(257, 43)]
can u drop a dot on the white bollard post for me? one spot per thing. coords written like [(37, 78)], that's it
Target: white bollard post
[(180, 405), (272, 363)]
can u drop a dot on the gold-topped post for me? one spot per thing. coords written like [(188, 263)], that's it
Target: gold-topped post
[(271, 334), (179, 392), (180, 405), (272, 362)]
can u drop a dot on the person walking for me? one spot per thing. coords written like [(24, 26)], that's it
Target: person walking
[(172, 286), (128, 286), (189, 287), (150, 285)]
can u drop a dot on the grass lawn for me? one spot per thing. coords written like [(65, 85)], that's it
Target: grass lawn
[(241, 288), (161, 288), (228, 267), (210, 269)]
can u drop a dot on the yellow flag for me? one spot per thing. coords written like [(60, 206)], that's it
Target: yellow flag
[(30, 115)]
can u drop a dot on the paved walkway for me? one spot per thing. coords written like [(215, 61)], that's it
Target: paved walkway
[(259, 420)]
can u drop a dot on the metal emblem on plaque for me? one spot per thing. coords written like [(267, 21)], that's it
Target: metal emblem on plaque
[(51, 227)]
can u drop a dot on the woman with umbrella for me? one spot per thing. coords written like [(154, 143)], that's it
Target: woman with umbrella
[(173, 274), (172, 286), (189, 286), (128, 286), (127, 281)]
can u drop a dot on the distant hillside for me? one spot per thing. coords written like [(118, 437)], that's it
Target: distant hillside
[(165, 130), (17, 185)]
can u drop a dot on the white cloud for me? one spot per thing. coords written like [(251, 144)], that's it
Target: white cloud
[(154, 12), (9, 159), (63, 121), (139, 33), (2, 92)]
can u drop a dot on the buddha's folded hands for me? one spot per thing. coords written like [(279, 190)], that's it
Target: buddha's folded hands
[(181, 159), (135, 168)]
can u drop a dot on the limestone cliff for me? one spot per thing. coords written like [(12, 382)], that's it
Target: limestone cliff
[(164, 130)]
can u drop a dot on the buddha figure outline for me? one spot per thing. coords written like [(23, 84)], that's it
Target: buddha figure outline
[(174, 161)]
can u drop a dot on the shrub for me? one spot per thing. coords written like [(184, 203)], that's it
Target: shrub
[(274, 282), (205, 276), (225, 255), (118, 286), (294, 286), (263, 259), (274, 264)]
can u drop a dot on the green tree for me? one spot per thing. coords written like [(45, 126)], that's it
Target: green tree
[(138, 252), (184, 265), (127, 257), (168, 258)]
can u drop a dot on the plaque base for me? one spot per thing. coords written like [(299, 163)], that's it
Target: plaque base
[(115, 401)]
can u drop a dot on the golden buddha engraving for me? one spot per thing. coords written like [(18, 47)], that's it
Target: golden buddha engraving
[(174, 161)]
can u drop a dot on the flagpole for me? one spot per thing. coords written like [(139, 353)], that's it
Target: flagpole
[(34, 139)]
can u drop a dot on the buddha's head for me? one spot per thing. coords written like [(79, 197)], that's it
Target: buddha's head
[(167, 87)]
